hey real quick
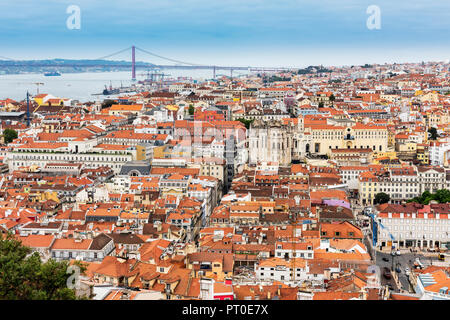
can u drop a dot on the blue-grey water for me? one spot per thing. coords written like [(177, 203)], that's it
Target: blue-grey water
[(79, 86)]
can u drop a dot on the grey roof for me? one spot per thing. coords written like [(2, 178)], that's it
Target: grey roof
[(100, 241), (143, 167), (12, 114), (126, 238)]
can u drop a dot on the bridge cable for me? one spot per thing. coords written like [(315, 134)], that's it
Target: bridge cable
[(113, 54), (168, 59)]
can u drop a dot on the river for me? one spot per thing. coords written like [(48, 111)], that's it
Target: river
[(79, 86)]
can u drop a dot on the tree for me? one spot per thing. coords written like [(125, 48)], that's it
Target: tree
[(332, 97), (433, 133), (107, 103), (246, 122), (381, 198), (441, 196), (191, 109), (321, 105), (24, 277), (9, 135)]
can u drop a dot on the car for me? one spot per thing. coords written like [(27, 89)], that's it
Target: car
[(407, 271), (385, 259), (398, 270), (397, 252)]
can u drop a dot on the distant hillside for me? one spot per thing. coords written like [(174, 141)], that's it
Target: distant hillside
[(65, 66)]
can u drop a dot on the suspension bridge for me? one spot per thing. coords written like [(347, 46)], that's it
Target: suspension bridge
[(102, 62)]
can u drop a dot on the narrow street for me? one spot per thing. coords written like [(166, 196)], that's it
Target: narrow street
[(404, 260)]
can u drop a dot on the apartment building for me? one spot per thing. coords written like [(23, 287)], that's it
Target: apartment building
[(277, 269), (414, 225), (85, 249), (42, 154), (402, 183)]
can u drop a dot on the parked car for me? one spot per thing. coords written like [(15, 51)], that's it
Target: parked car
[(398, 270), (385, 259), (407, 271), (397, 252)]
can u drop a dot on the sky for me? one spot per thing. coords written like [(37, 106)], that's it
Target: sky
[(288, 33)]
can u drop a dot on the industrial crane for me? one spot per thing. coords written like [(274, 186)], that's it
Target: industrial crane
[(36, 83)]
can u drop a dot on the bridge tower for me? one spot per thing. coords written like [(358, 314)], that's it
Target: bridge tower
[(28, 109), (133, 63)]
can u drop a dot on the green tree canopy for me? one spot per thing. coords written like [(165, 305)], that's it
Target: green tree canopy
[(191, 109), (433, 133), (107, 103), (245, 122), (381, 198), (9, 135), (441, 196), (23, 276)]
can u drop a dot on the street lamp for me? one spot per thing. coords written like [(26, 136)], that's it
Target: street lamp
[(393, 257)]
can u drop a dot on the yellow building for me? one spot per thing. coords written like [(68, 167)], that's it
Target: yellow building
[(407, 148), (212, 265), (120, 109), (422, 154), (326, 137), (47, 99), (141, 152), (430, 96), (435, 118)]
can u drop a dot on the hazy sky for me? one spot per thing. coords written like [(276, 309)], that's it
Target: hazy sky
[(230, 32)]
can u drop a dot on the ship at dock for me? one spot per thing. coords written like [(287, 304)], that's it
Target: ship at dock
[(52, 74), (115, 91)]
